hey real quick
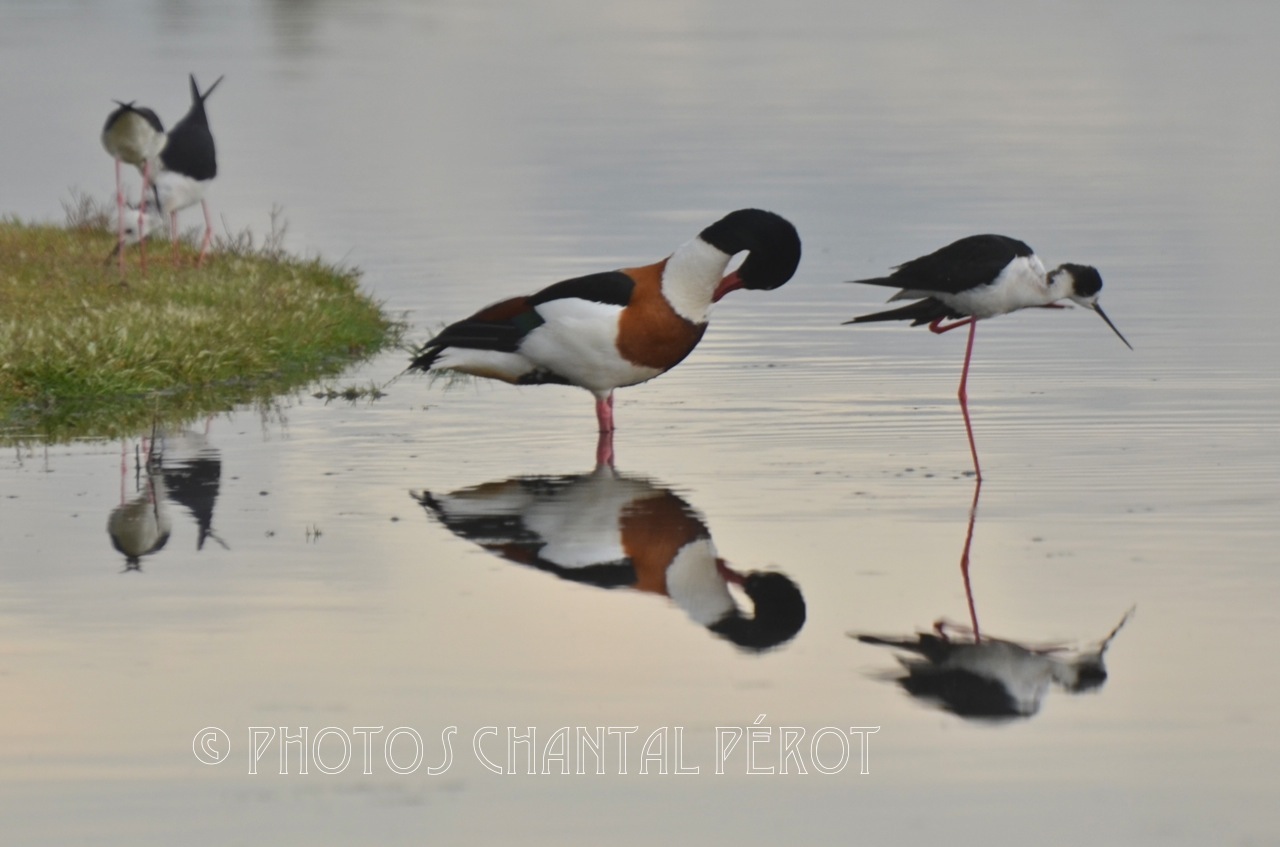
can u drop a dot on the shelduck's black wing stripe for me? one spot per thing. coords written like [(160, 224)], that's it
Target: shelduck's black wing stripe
[(502, 326), (499, 327), (612, 288)]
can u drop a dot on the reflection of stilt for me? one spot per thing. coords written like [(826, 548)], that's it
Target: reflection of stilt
[(964, 557), (139, 527)]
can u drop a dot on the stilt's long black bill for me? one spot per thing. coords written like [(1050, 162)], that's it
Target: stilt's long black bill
[(1103, 315), (113, 254)]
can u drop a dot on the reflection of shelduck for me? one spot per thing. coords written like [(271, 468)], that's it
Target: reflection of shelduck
[(618, 328), (980, 277), (611, 530), (991, 677)]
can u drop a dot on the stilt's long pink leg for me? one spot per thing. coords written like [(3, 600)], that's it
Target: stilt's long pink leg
[(963, 394), (936, 326)]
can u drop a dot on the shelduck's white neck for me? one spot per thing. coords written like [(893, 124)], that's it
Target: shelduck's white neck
[(691, 277)]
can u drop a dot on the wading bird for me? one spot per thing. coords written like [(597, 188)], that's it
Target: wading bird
[(188, 163), (617, 328), (978, 277), (134, 135)]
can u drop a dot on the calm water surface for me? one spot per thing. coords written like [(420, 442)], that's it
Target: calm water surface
[(441, 558)]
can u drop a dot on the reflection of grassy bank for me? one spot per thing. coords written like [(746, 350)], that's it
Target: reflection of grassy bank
[(85, 353)]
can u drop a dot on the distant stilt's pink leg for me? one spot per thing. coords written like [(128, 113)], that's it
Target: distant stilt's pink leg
[(964, 399), (173, 234), (142, 214), (120, 217), (964, 560), (208, 233)]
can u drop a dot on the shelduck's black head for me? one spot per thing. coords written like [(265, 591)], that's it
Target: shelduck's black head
[(779, 613), (772, 244), (1083, 284)]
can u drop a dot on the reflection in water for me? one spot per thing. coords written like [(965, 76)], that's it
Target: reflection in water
[(183, 468), (192, 472), (973, 677), (613, 530), (140, 527), (976, 676)]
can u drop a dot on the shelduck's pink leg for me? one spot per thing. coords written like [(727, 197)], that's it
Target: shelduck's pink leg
[(604, 412), (604, 450), (604, 415)]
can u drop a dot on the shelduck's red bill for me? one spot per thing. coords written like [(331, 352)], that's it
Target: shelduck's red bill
[(1103, 315), (732, 282), (728, 574)]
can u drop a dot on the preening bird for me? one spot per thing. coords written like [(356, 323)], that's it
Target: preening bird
[(608, 330)]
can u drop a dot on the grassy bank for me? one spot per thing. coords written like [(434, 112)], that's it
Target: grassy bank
[(87, 352)]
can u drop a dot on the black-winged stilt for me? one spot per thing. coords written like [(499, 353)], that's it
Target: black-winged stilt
[(134, 135), (978, 277), (617, 328), (188, 163)]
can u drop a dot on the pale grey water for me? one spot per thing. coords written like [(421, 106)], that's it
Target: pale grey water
[(460, 152)]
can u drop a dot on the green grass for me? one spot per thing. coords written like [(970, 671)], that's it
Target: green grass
[(85, 352)]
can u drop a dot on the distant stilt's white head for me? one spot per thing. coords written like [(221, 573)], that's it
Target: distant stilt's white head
[(152, 222), (1083, 284)]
